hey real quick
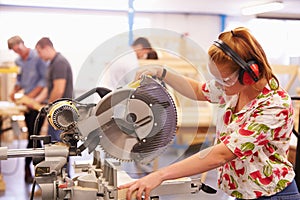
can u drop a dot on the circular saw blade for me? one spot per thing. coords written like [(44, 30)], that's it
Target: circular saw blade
[(137, 124)]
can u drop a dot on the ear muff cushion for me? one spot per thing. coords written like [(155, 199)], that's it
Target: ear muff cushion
[(244, 76)]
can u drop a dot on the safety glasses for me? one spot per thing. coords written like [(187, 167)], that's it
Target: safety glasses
[(228, 81)]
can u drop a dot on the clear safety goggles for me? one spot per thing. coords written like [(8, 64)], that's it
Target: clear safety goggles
[(228, 81)]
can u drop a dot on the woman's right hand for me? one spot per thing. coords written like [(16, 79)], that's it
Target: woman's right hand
[(149, 70)]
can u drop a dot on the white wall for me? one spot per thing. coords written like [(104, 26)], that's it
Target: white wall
[(76, 33)]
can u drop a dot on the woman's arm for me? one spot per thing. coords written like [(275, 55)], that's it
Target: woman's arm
[(203, 161), (184, 85)]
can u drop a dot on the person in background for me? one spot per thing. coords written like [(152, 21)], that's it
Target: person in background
[(32, 81), (253, 130), (59, 78), (120, 71), (143, 49)]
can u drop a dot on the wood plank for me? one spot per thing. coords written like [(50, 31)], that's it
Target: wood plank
[(2, 184)]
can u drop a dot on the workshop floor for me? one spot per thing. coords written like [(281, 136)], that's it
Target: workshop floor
[(13, 174), (12, 171)]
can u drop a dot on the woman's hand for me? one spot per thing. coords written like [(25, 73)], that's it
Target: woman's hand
[(149, 70), (142, 187)]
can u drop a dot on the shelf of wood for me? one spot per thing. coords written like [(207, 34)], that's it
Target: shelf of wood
[(9, 69)]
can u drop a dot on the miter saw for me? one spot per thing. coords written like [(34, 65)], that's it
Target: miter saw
[(135, 123)]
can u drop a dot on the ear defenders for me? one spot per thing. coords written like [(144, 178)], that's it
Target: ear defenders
[(249, 71)]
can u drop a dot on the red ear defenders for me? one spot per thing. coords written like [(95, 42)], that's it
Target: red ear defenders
[(249, 71)]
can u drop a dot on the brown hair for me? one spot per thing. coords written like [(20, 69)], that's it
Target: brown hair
[(13, 41), (247, 47), (142, 41), (43, 42)]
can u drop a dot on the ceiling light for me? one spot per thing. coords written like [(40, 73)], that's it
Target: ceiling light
[(262, 8)]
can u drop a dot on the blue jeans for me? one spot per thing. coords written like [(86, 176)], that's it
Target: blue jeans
[(55, 134), (289, 193)]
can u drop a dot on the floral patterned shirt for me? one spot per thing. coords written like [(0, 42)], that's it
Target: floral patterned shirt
[(259, 136)]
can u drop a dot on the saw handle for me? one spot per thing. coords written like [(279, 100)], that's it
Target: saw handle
[(101, 91), (163, 75)]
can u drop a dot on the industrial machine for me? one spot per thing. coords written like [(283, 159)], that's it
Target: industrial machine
[(129, 124)]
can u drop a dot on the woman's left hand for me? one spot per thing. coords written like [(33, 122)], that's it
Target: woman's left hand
[(141, 188)]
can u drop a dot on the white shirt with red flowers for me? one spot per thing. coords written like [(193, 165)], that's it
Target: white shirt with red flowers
[(259, 136)]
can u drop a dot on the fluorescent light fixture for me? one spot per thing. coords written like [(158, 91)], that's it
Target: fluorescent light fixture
[(262, 8), (72, 4)]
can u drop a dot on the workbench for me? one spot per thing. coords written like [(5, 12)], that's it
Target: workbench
[(8, 110)]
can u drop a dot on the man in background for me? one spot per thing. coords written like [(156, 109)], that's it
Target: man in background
[(32, 81), (59, 78)]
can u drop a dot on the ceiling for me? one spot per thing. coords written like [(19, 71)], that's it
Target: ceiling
[(226, 7), (216, 7)]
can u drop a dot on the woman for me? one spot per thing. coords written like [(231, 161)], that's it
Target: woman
[(253, 131), (143, 49)]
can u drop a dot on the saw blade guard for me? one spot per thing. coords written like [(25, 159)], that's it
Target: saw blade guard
[(137, 124)]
